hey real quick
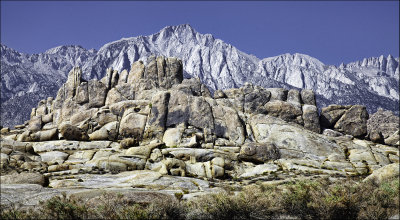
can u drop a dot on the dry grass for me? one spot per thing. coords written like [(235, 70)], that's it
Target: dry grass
[(304, 199)]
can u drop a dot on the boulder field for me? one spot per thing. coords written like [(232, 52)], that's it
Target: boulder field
[(150, 130)]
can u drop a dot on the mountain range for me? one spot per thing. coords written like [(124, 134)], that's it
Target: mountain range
[(26, 79)]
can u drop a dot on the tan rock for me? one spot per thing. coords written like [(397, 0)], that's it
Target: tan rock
[(23, 178), (383, 174)]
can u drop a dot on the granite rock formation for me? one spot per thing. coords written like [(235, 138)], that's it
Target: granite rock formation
[(151, 126)]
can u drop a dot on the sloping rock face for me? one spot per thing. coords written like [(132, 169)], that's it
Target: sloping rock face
[(152, 119)]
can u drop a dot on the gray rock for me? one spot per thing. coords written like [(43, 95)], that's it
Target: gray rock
[(54, 156), (126, 90), (114, 96), (114, 79), (82, 94), (354, 121), (308, 97), (384, 174), (172, 137), (236, 98), (132, 125), (42, 108), (293, 141), (123, 77), (259, 152), (71, 132), (47, 118), (23, 178), (193, 86), (381, 125), (136, 72), (35, 124), (331, 133), (200, 114), (139, 106), (255, 100), (97, 94), (286, 111), (218, 94), (278, 94), (331, 114), (294, 96), (157, 119), (45, 135), (228, 124), (311, 118), (178, 109), (74, 80)]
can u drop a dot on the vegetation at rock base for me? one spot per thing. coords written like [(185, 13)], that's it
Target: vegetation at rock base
[(321, 199)]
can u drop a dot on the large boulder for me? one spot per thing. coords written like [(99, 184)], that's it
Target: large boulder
[(278, 94), (73, 81), (311, 118), (293, 141), (82, 94), (23, 178), (259, 152), (200, 114), (71, 132), (114, 96), (45, 135), (136, 72), (132, 124), (178, 109), (285, 110), (193, 86), (294, 96), (236, 98), (308, 97), (97, 94), (255, 100), (170, 71), (382, 125), (227, 123), (384, 174), (35, 124), (353, 121), (331, 114), (157, 118)]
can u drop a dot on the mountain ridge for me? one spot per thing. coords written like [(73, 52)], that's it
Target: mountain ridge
[(219, 65)]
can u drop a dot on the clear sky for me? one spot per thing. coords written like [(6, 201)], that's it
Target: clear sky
[(331, 31)]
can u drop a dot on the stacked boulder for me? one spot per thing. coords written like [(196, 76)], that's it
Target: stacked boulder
[(151, 118)]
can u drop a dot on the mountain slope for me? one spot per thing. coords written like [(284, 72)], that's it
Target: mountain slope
[(26, 79)]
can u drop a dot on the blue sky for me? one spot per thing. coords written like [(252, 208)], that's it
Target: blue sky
[(331, 31)]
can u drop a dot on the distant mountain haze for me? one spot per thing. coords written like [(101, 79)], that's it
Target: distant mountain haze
[(26, 79)]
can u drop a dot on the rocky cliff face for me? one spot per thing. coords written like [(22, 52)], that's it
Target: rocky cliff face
[(151, 128), (150, 118), (27, 79)]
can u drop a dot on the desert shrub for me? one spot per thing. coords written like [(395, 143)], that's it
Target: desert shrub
[(63, 208), (251, 203), (379, 202), (322, 199)]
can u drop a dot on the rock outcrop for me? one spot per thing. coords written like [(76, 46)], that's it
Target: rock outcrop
[(149, 118)]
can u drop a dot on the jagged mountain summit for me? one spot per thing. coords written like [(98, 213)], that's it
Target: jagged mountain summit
[(26, 79)]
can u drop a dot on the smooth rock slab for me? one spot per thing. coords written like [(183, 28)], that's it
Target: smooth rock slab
[(69, 145), (292, 140), (54, 156), (23, 178), (259, 170), (136, 179)]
